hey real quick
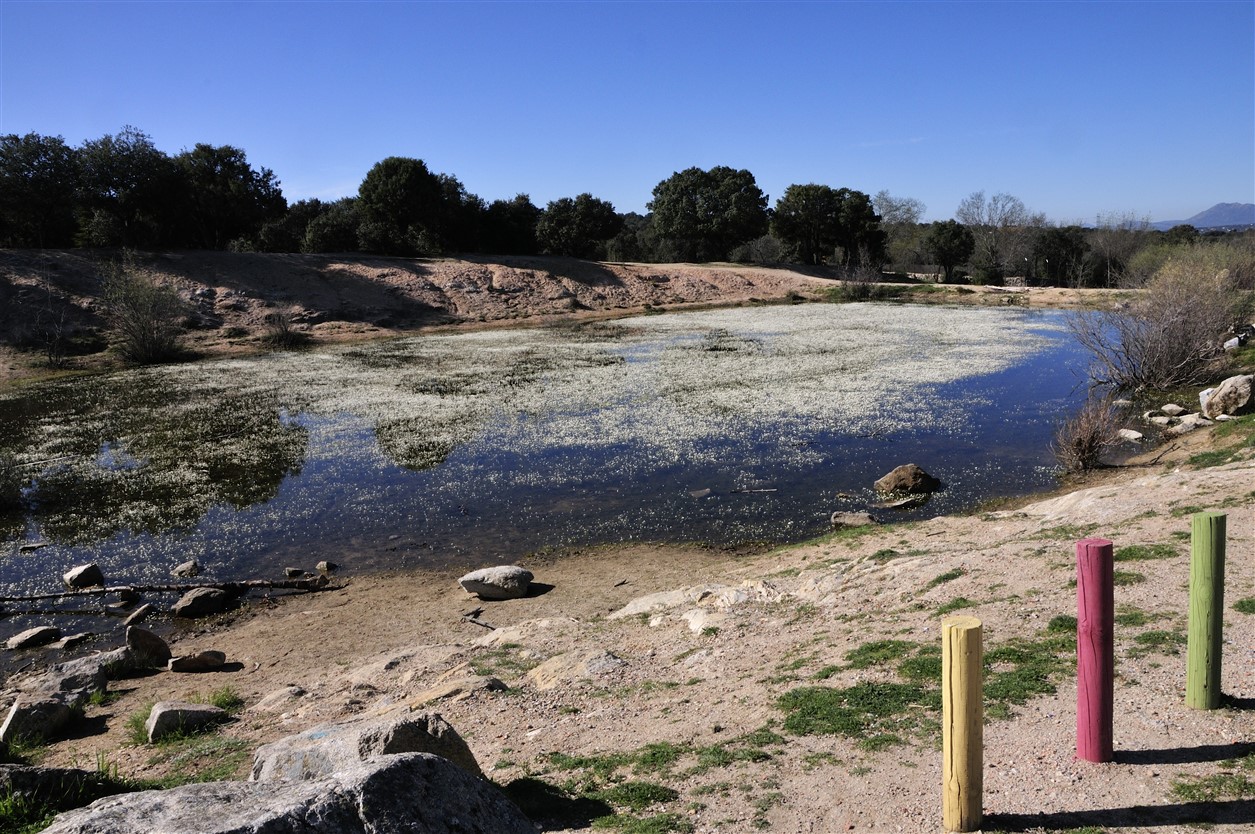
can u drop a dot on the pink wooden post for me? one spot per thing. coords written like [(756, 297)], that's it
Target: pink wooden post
[(1095, 649)]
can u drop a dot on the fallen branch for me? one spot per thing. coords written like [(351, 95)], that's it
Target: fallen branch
[(316, 583), (479, 623)]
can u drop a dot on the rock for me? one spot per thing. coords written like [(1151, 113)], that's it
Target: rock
[(139, 614), (1230, 397), (54, 787), (46, 702), (700, 619), (72, 640), (1172, 409), (568, 667), (1162, 420), (1130, 436), (500, 582), (128, 595), (326, 567), (277, 700), (169, 717), (1187, 424), (293, 573), (200, 602), (146, 647), (906, 502), (457, 683), (908, 478), (329, 748), (205, 661), (413, 792), (840, 520), (83, 576), (1232, 344), (187, 569), (32, 637)]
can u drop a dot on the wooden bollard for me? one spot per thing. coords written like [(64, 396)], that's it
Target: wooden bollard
[(962, 723), (1095, 649), (1203, 647)]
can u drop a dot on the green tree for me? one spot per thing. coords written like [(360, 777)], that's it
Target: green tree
[(509, 226), (459, 219), (1058, 256), (225, 198), (950, 243), (335, 229), (400, 203), (128, 191), (701, 215), (38, 178), (822, 223), (900, 217), (577, 227), (286, 233)]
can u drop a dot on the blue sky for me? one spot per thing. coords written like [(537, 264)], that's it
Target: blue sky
[(1075, 108)]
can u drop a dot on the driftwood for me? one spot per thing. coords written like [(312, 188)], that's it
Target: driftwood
[(313, 583)]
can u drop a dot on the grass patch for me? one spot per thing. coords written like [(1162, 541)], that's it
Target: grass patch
[(1189, 509), (1246, 605), (864, 710), (657, 824), (955, 604), (941, 579), (636, 795), (1160, 642), (1234, 781), (1144, 552), (1127, 577), (1062, 624), (211, 758), (1128, 615), (878, 652), (226, 699), (502, 661), (1070, 532)]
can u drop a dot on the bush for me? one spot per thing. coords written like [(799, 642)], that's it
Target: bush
[(147, 317), (1080, 443), (281, 330), (1170, 335)]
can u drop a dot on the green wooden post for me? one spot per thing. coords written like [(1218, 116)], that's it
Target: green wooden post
[(1202, 675)]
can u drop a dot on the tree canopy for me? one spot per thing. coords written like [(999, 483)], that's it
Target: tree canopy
[(701, 215), (577, 226), (950, 243), (824, 223)]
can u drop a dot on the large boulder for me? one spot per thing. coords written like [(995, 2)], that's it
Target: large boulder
[(146, 647), (46, 702), (32, 637), (328, 748), (844, 520), (908, 478), (1229, 397), (405, 794), (201, 602), (500, 582), (172, 717), (84, 576)]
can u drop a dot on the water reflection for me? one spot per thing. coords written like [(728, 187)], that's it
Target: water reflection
[(472, 448)]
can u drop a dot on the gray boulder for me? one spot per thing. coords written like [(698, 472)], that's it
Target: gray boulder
[(201, 602), (147, 647), (908, 478), (413, 793), (32, 637), (1229, 397), (45, 703), (84, 576), (187, 569), (500, 582), (205, 661), (841, 521), (328, 748), (169, 717)]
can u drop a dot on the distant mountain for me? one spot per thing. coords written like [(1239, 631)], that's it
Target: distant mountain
[(1221, 214)]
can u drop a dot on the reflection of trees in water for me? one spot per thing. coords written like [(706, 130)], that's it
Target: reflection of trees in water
[(142, 454)]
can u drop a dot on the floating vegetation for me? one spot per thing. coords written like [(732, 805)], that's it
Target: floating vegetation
[(501, 442)]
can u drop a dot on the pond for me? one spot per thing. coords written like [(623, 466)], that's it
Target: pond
[(476, 448)]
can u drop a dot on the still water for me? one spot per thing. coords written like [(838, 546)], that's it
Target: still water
[(471, 449)]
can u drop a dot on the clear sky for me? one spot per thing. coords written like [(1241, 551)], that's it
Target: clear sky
[(1076, 108)]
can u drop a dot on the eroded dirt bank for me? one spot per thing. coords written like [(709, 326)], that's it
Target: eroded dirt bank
[(336, 298)]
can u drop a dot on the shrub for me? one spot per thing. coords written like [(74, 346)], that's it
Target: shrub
[(281, 331), (1170, 335), (1080, 442), (147, 317)]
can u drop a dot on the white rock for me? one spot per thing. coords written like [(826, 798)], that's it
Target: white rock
[(1172, 409), (1130, 435), (500, 582)]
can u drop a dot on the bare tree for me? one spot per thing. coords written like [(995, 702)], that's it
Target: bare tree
[(1170, 335), (904, 235), (1003, 229), (147, 317), (1116, 237), (1081, 441)]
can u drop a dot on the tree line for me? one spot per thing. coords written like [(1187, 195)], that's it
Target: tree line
[(122, 191)]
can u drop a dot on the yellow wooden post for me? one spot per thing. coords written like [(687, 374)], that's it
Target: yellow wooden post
[(963, 720)]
